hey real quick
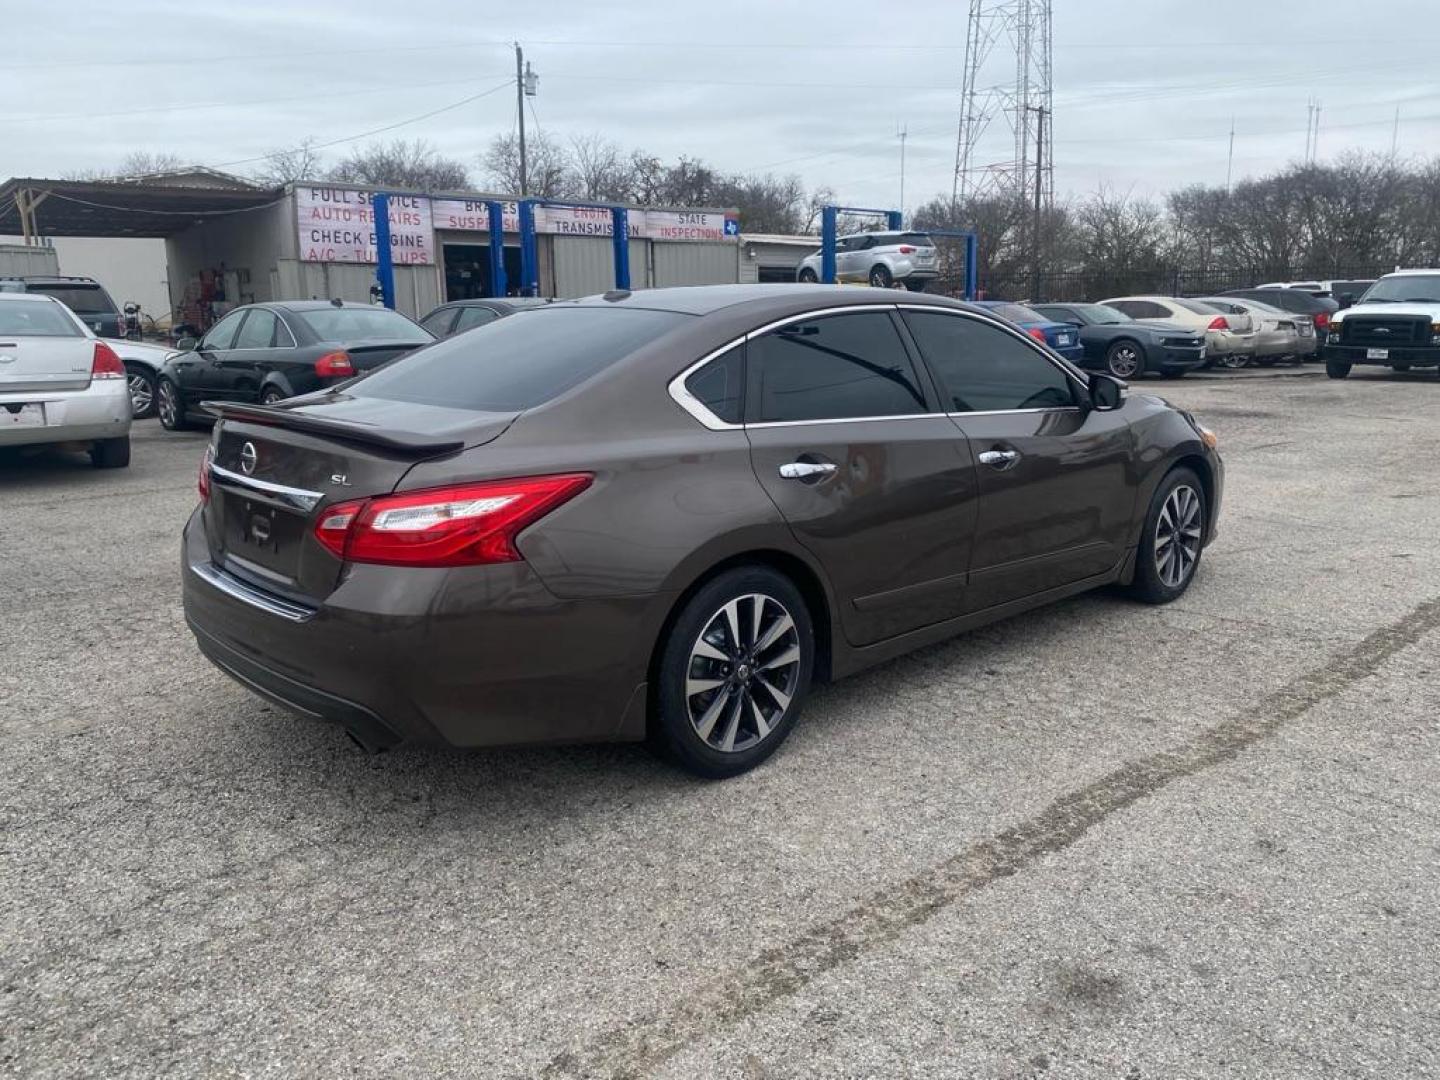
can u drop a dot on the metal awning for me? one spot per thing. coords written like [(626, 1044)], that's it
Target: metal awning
[(119, 208)]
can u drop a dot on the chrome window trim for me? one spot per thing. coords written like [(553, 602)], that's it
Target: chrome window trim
[(299, 498), (696, 408), (248, 594)]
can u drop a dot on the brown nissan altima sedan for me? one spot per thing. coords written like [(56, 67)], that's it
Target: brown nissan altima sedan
[(667, 513)]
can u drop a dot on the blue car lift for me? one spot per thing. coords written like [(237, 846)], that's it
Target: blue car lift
[(385, 271), (829, 236), (529, 252)]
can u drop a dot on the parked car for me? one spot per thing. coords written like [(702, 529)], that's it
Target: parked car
[(143, 362), (1295, 301), (85, 296), (1396, 324), (460, 315), (1314, 288), (672, 511), (1112, 341), (882, 259), (1059, 335), (1343, 292), (268, 352), (60, 384), (1225, 335), (1276, 338)]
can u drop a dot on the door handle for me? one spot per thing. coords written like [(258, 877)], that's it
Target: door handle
[(999, 459), (807, 470)]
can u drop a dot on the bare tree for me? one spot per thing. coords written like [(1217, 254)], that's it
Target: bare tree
[(290, 165), (601, 169), (402, 164), (133, 166), (547, 165)]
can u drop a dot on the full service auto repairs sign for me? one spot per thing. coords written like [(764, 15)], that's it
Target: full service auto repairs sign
[(338, 225)]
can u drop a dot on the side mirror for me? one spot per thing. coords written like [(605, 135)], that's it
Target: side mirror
[(186, 344), (1106, 392), (1346, 299)]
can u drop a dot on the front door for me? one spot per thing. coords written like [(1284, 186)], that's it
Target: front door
[(872, 480), (201, 376), (1056, 477), (248, 360)]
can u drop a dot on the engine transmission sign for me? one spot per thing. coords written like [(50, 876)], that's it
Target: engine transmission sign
[(337, 225)]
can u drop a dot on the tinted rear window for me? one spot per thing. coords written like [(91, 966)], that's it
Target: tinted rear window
[(919, 239), (519, 362), (355, 324), (81, 299), (1018, 313), (35, 318)]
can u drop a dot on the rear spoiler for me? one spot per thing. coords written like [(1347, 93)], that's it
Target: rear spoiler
[(403, 442)]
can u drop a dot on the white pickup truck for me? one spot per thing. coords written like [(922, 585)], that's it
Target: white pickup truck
[(1395, 324)]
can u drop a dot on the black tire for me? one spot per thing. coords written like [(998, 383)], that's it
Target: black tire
[(170, 407), (915, 286), (1151, 584), (1337, 369), (808, 276), (1233, 362), (679, 721), (1125, 359), (141, 381), (880, 276), (111, 453), (271, 395)]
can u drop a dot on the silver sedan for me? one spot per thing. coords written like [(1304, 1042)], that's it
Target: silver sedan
[(59, 383)]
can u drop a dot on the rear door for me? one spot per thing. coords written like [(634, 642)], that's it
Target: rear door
[(876, 483), (1056, 480)]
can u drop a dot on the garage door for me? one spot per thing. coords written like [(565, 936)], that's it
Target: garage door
[(695, 264)]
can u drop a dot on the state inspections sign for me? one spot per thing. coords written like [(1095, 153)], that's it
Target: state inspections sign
[(338, 225)]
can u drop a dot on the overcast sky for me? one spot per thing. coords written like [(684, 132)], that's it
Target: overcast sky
[(1144, 89)]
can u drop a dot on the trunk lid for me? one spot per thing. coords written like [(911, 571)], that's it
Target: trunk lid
[(369, 355), (37, 364), (276, 470)]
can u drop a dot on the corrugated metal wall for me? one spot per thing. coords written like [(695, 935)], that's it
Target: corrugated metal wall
[(583, 265), (695, 264), (417, 290)]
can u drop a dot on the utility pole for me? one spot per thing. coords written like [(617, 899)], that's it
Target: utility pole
[(1315, 145), (1309, 126), (1230, 161), (1040, 112), (1395, 134), (520, 111), (903, 133)]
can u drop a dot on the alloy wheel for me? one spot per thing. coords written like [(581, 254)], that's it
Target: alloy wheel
[(167, 407), (743, 671), (1233, 362), (141, 394), (1124, 361), (1177, 536)]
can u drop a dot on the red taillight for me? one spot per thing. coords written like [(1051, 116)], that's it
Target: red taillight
[(1037, 334), (451, 526), (906, 249), (204, 482), (1322, 320), (106, 364), (334, 365), (1218, 323)]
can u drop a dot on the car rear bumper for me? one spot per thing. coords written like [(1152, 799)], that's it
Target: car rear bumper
[(483, 656), (1074, 353), (101, 411), (1416, 356)]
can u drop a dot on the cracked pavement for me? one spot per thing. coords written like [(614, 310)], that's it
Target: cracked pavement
[(1098, 840)]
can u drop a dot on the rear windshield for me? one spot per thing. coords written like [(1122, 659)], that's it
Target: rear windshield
[(357, 324), (1193, 305), (919, 239), (519, 362), (35, 318), (81, 299), (1018, 313)]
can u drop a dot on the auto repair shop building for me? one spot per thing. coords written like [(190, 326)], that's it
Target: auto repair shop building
[(226, 237)]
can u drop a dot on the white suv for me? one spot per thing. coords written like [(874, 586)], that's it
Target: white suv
[(1395, 324), (882, 259)]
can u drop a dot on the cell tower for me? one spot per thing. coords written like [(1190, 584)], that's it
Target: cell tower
[(995, 167)]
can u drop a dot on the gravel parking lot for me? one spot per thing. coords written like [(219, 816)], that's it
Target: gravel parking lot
[(1100, 840)]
